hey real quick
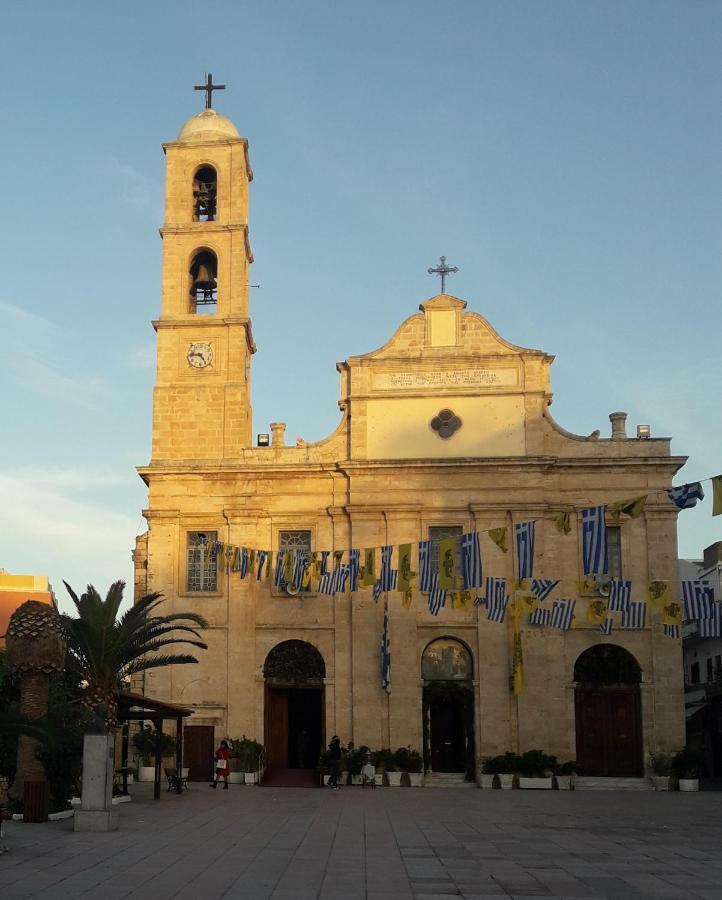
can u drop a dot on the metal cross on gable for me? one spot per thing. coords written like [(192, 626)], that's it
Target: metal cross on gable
[(443, 270), (209, 87)]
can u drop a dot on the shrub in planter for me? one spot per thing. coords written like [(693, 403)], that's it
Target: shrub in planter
[(355, 759), (686, 765), (411, 763), (535, 769), (563, 775), (248, 755), (144, 743), (661, 765), (504, 767)]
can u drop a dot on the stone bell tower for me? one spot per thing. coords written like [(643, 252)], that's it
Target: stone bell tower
[(201, 404)]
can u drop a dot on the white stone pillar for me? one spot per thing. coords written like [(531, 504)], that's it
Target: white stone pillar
[(96, 811)]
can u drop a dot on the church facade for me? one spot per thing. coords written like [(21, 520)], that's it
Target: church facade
[(444, 430)]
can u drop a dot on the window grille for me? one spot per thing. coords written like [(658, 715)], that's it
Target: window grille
[(436, 534), (202, 568), (298, 539)]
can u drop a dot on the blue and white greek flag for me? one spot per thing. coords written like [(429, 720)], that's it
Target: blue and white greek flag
[(340, 577), (426, 576), (635, 616), (541, 616), (387, 575), (698, 600), (687, 495), (324, 562), (243, 571), (620, 595), (495, 588), (299, 567), (278, 571), (673, 631), (354, 565), (261, 556), (496, 607), (471, 560), (595, 551), (606, 626), (386, 653), (325, 584), (562, 614), (542, 587), (709, 628), (524, 549), (437, 597)]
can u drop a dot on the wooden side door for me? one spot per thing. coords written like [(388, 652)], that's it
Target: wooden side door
[(609, 732), (198, 750), (276, 738)]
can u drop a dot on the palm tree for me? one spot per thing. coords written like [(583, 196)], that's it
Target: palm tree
[(104, 650), (35, 650)]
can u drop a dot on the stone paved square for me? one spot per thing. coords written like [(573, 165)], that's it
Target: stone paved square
[(389, 844)]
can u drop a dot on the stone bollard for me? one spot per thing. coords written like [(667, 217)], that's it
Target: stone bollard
[(96, 811)]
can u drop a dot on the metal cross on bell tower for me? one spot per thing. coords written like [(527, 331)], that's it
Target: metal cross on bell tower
[(443, 270), (209, 87)]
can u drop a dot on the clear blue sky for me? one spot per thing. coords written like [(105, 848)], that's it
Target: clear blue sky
[(565, 155)]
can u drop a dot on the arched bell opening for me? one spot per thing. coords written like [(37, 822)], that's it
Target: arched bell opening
[(294, 673), (608, 713), (204, 282), (205, 194), (447, 670)]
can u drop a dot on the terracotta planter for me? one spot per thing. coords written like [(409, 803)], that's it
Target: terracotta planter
[(660, 782), (487, 781), (506, 782), (535, 784), (394, 779), (416, 779), (689, 784)]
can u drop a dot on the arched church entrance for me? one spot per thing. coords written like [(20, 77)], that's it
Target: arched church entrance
[(294, 711), (608, 712), (447, 670)]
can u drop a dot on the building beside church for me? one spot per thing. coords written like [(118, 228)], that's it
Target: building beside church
[(444, 429)]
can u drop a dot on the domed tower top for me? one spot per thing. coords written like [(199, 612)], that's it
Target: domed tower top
[(208, 125)]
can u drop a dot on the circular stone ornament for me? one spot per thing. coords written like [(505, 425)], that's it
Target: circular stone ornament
[(445, 423)]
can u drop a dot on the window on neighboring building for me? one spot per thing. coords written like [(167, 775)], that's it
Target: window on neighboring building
[(614, 544), (710, 673), (436, 534), (295, 540), (694, 673), (202, 570)]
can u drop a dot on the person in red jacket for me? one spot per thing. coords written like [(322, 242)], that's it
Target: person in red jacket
[(222, 756)]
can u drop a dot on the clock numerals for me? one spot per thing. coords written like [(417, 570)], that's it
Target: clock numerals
[(199, 355)]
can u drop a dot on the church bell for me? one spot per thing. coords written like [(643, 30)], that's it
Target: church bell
[(203, 273)]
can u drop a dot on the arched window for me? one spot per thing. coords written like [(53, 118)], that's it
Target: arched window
[(446, 659), (607, 664), (205, 188), (294, 662), (204, 282)]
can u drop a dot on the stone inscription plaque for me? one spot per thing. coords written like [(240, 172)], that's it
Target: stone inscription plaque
[(458, 378)]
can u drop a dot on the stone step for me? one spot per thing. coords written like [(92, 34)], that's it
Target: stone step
[(588, 783)]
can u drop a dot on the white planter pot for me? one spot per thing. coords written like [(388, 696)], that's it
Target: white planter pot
[(689, 784), (146, 773), (130, 778), (249, 777), (535, 784), (660, 782), (394, 779), (325, 780), (487, 781), (236, 777), (379, 779), (356, 779), (416, 779), (343, 778), (506, 782), (564, 782)]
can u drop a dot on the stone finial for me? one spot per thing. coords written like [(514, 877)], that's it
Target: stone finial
[(278, 429), (619, 423)]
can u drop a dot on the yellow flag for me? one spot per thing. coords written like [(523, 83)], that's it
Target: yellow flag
[(563, 523), (658, 594), (287, 564), (448, 548), (717, 495), (252, 561), (672, 613), (587, 585), (236, 559), (406, 598), (498, 535), (597, 612), (632, 508), (403, 582), (455, 600), (220, 550), (306, 577), (369, 567), (527, 602), (522, 584), (517, 663)]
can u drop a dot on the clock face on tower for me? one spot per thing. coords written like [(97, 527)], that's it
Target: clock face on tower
[(200, 355)]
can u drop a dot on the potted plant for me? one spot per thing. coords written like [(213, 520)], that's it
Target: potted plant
[(686, 766), (564, 774), (235, 771), (355, 758), (507, 767), (144, 743), (393, 776), (489, 772), (324, 765), (535, 770), (411, 764), (661, 765), (250, 754), (380, 759)]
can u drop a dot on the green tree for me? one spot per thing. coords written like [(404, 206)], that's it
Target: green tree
[(104, 649)]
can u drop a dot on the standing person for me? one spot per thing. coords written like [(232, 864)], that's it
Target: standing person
[(222, 756), (301, 745), (334, 761)]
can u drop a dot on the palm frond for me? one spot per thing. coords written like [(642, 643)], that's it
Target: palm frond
[(154, 662)]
